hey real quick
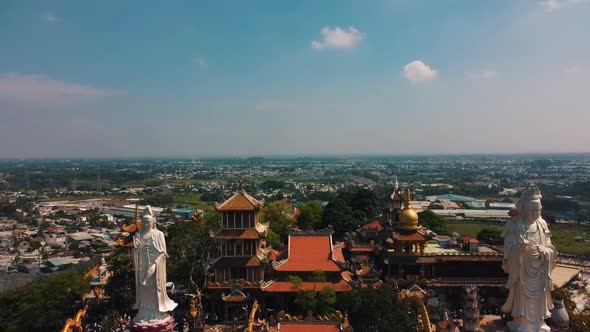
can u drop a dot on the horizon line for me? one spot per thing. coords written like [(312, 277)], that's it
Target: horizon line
[(297, 155)]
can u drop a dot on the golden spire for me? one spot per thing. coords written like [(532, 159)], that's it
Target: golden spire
[(407, 203), (408, 217)]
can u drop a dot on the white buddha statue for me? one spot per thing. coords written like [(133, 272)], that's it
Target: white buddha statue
[(529, 259), (149, 258)]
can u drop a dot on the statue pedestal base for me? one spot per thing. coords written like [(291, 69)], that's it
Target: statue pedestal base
[(164, 325), (523, 325)]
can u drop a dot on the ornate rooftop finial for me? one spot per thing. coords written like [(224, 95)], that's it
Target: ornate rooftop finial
[(396, 185), (240, 186), (408, 198)]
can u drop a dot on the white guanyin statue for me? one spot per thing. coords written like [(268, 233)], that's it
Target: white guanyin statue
[(149, 259), (529, 259)]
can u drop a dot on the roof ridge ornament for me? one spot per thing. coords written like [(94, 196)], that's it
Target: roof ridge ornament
[(240, 187)]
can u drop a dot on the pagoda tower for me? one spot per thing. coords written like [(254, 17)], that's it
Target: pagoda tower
[(395, 202), (237, 272)]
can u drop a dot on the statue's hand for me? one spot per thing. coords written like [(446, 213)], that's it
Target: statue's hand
[(152, 269), (544, 252)]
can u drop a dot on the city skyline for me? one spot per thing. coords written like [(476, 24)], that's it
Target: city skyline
[(114, 79)]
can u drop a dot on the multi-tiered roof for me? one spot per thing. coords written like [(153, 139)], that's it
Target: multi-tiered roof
[(308, 252)]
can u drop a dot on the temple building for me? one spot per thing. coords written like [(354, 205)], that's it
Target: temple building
[(409, 236), (306, 253), (237, 272), (412, 252)]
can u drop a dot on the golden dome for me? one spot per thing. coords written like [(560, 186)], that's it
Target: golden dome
[(408, 218)]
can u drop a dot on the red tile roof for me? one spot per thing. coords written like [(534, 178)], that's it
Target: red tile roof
[(240, 202), (309, 327), (410, 237), (373, 225), (275, 254), (468, 239), (310, 252), (244, 234), (361, 249), (287, 286), (248, 261), (337, 254)]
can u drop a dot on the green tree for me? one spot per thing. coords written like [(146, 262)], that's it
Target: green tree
[(212, 220), (277, 214), (121, 284), (326, 299), (340, 216), (310, 215), (273, 239), (371, 309), (433, 222), (489, 235), (314, 301), (162, 200), (189, 249), (44, 304), (350, 209), (318, 276), (365, 200)]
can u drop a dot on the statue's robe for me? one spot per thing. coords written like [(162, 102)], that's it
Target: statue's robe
[(529, 278), (150, 290)]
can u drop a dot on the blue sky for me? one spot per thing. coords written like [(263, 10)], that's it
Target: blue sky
[(198, 78)]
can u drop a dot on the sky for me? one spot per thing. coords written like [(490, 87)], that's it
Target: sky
[(116, 78)]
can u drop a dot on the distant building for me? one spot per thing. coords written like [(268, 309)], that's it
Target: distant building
[(450, 197)]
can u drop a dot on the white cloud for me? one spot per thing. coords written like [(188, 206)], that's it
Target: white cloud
[(417, 71), (339, 38), (43, 90), (484, 74), (50, 17), (555, 5)]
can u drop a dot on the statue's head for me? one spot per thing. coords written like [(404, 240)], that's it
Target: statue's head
[(529, 205), (149, 222)]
